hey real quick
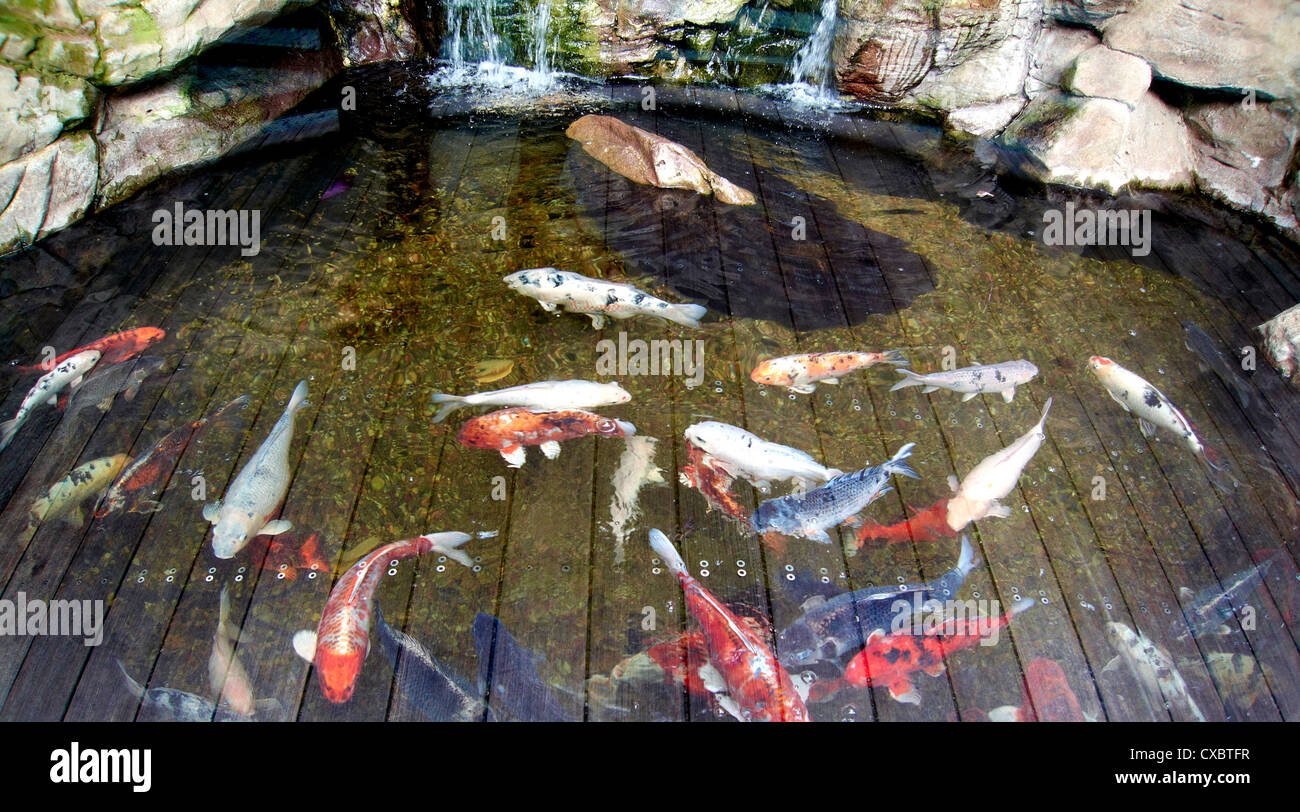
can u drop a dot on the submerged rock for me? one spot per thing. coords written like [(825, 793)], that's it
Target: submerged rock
[(47, 189), (651, 159)]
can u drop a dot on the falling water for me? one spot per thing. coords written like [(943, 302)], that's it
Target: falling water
[(479, 47), (812, 64)]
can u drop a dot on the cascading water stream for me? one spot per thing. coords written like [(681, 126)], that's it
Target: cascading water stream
[(812, 64), (479, 47)]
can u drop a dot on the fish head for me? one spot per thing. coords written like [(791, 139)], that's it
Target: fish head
[(232, 533), (618, 394), (337, 672), (1100, 364), (1120, 636), (798, 646), (775, 515), (609, 427)]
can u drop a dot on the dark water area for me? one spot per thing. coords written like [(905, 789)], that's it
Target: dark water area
[(385, 234)]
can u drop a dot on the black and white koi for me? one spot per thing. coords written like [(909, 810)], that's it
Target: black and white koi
[(555, 289)]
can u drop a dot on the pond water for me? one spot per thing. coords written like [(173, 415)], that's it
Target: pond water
[(384, 240)]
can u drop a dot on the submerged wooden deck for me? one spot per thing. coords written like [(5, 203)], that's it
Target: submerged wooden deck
[(369, 469)]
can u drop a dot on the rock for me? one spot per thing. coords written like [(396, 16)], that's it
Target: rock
[(35, 109), (627, 33), (1087, 11), (371, 31), (123, 41), (883, 51), (1282, 341), (1103, 143), (1214, 43), (649, 159), (47, 189), (1243, 155), (190, 120), (1109, 74), (1054, 52)]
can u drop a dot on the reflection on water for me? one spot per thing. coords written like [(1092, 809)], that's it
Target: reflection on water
[(379, 282)]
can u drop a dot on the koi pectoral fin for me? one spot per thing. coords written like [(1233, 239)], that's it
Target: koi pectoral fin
[(1148, 428), (304, 644), (902, 691), (276, 527)]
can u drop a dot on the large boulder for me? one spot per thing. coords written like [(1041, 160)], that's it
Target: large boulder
[(1102, 143), (47, 189), (1215, 43), (194, 118), (113, 42), (1243, 157), (1105, 73), (35, 108), (371, 31), (1282, 341)]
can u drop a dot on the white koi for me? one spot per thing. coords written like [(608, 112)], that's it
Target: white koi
[(1000, 378), (1153, 668), (68, 374), (555, 289), (226, 675), (741, 454), (258, 489), (543, 396), (993, 478)]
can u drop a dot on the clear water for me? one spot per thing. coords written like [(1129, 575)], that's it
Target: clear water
[(381, 246)]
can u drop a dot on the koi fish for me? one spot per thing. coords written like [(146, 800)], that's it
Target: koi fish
[(636, 467), (508, 430), (1153, 668), (341, 641), (63, 499), (152, 467), (113, 349), (423, 681), (892, 659), (1001, 378), (753, 459), (507, 674), (976, 497), (802, 373), (1153, 410), (925, 525), (542, 396), (258, 489), (181, 706), (1241, 675), (829, 629), (102, 389), (286, 556), (808, 515), (68, 374), (226, 675), (714, 483), (1211, 608), (1047, 697), (742, 673), (554, 289)]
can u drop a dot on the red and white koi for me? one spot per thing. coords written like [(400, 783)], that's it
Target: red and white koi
[(508, 431), (341, 641), (742, 673), (540, 396)]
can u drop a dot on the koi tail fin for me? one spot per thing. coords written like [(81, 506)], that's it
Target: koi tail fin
[(448, 544), (910, 378), (229, 412), (1217, 471), (7, 431), (967, 561), (687, 315), (137, 690), (1020, 605), (299, 398), (895, 357), (450, 403), (896, 466), (665, 550)]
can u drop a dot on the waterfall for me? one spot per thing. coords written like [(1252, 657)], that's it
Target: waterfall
[(812, 64), (484, 37)]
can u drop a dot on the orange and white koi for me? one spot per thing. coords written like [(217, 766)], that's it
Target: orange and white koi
[(341, 641), (802, 373), (742, 673), (509, 430), (113, 349)]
